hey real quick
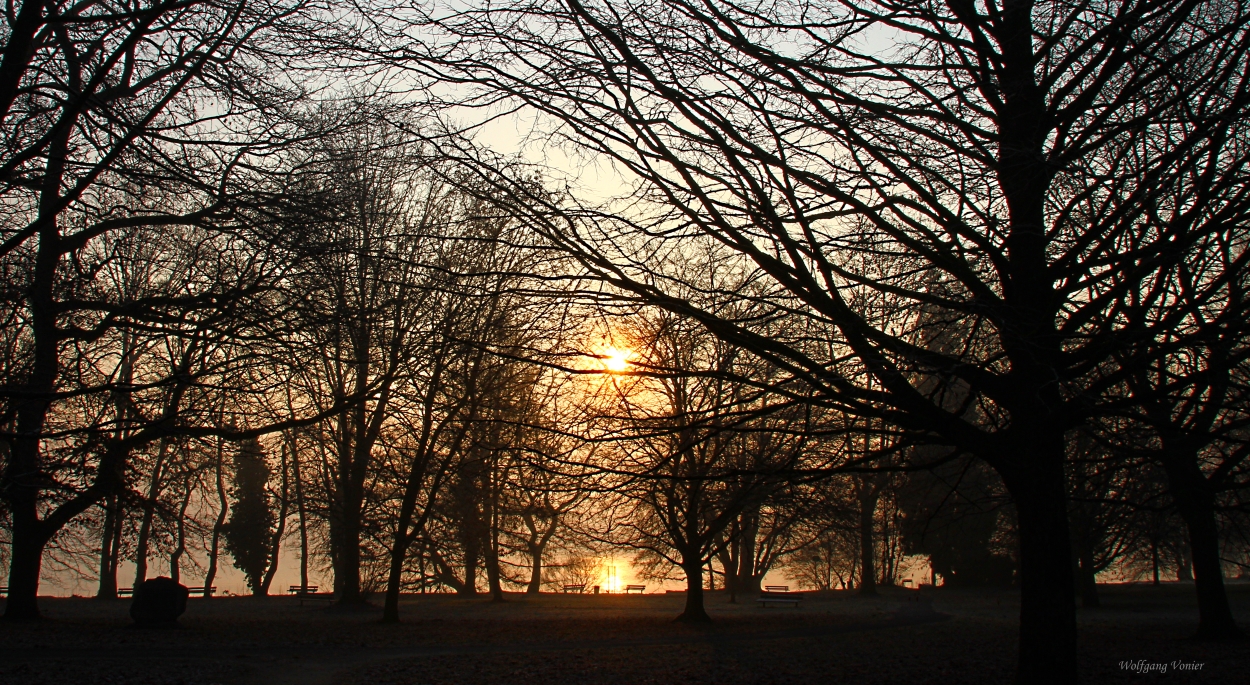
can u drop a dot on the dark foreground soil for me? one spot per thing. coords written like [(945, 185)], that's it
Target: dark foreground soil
[(912, 637)]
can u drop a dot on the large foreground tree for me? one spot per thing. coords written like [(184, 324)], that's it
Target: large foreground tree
[(1031, 174)]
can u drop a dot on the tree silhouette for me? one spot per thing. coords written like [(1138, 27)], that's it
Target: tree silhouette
[(251, 523), (1032, 173)]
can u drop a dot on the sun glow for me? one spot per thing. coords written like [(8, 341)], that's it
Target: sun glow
[(616, 360), (612, 583)]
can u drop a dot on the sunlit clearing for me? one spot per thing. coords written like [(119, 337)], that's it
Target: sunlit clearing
[(615, 360)]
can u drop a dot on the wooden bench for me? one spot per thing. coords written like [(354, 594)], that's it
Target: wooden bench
[(4, 590), (130, 592), (635, 588), (308, 593), (575, 588), (776, 588), (769, 598)]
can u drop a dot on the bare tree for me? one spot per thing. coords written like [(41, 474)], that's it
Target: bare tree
[(97, 106), (693, 459), (540, 499), (361, 303), (1187, 409), (457, 386), (766, 533), (1029, 169)]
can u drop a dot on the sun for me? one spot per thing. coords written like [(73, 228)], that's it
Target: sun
[(617, 360)]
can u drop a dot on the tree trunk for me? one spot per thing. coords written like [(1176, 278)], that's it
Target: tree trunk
[(22, 479), (110, 537), (275, 549), (536, 570), (1184, 564), (355, 449), (347, 563), (21, 484), (694, 611), (149, 511), (421, 568), (443, 572), (757, 583), (1088, 579), (404, 537), (748, 580), (108, 567), (868, 495), (493, 577), (729, 564), (1154, 559), (399, 550), (24, 566), (275, 545), (469, 588), (1196, 504), (175, 557), (1047, 592), (223, 510), (303, 517)]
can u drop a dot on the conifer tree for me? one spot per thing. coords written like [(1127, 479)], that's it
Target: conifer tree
[(251, 523)]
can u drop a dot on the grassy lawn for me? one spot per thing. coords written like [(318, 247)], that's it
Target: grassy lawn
[(939, 636)]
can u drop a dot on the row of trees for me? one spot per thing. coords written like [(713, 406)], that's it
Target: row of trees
[(972, 261)]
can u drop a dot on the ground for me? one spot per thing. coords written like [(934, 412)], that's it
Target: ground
[(928, 636)]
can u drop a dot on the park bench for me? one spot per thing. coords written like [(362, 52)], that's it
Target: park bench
[(776, 588), (635, 588), (770, 597), (308, 593), (4, 590), (130, 592), (575, 588)]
